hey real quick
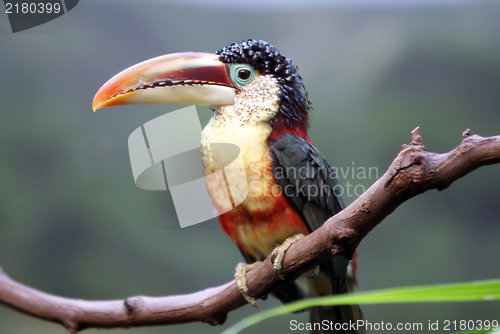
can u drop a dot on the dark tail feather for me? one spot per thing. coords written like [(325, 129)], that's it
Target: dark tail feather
[(289, 293), (343, 319), (336, 319)]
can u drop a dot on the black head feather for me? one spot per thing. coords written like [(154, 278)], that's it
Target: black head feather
[(266, 59)]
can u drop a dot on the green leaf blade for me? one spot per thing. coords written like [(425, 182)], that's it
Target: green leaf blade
[(488, 290)]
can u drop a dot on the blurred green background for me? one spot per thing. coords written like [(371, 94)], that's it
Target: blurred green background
[(73, 223)]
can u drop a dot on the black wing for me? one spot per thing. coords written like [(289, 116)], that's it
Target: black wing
[(306, 179), (310, 185)]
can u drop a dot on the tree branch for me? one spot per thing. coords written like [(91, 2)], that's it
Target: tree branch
[(414, 171)]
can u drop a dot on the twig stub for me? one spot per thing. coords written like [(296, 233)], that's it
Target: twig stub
[(416, 139)]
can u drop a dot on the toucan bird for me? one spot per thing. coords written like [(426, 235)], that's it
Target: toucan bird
[(260, 105)]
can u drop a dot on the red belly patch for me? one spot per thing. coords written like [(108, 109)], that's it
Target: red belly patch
[(258, 232)]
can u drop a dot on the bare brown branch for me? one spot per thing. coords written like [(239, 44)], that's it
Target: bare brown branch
[(414, 171)]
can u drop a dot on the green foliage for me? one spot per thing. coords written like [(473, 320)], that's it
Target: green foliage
[(483, 331), (455, 292)]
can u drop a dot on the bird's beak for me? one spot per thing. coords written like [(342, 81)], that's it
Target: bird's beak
[(180, 78)]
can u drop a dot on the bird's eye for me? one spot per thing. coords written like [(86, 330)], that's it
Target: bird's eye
[(242, 74)]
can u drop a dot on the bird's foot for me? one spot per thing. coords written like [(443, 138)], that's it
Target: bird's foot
[(279, 253), (240, 276)]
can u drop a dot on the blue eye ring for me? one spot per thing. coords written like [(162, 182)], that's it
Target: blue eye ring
[(242, 74)]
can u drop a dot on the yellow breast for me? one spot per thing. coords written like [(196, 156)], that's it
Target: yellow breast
[(253, 175)]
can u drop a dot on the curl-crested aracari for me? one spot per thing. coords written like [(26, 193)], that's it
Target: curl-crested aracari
[(260, 105)]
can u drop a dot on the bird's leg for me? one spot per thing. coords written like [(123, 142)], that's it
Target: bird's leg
[(240, 276), (279, 252), (277, 256)]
